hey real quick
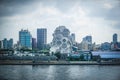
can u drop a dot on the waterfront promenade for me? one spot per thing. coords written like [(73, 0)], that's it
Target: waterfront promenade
[(18, 62)]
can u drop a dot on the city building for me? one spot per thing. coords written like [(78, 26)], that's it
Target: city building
[(88, 39), (17, 46), (96, 47), (79, 46), (115, 43), (87, 43), (119, 45), (34, 43), (72, 38), (105, 46), (8, 44), (1, 44), (25, 39), (41, 38), (61, 41), (5, 44), (115, 38)]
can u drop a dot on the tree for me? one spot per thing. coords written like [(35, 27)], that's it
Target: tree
[(58, 55), (81, 57)]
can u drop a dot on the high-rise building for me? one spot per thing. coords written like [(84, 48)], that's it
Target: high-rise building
[(25, 39), (41, 38), (87, 43), (105, 46), (5, 44), (10, 43), (88, 39), (1, 44), (115, 38), (34, 43)]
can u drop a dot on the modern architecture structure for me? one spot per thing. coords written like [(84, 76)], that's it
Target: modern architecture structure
[(115, 43), (88, 39), (25, 39), (41, 38), (5, 44), (87, 43), (34, 43), (8, 44), (1, 44), (61, 41), (72, 37), (105, 46), (96, 47), (115, 38)]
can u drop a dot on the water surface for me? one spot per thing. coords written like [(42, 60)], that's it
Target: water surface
[(59, 72)]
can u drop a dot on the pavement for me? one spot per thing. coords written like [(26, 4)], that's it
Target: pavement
[(30, 62)]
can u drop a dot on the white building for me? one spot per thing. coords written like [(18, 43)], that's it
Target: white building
[(61, 41)]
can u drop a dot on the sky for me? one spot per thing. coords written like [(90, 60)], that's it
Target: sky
[(98, 18)]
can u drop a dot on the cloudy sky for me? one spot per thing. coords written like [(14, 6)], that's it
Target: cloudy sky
[(98, 18)]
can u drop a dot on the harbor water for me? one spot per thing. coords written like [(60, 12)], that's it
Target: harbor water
[(59, 72)]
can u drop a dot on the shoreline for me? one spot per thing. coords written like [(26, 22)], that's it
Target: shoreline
[(57, 63)]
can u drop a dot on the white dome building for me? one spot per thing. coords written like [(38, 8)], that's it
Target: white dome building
[(61, 41)]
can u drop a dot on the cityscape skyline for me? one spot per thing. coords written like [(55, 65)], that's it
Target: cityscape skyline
[(16, 40), (60, 35), (95, 19)]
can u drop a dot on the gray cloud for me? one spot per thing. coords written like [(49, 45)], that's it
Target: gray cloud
[(109, 10), (117, 26), (114, 13), (13, 7), (80, 14), (102, 8), (65, 6)]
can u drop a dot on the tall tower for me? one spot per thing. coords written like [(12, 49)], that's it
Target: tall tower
[(1, 44), (41, 38), (87, 43), (5, 43), (88, 39), (10, 44), (25, 39), (115, 38), (34, 43)]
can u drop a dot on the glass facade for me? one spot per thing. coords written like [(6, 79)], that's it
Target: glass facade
[(41, 38), (8, 44), (34, 44), (1, 44), (88, 39), (87, 43), (25, 39), (115, 38), (5, 43)]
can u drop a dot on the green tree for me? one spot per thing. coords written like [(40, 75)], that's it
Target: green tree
[(81, 57), (58, 55)]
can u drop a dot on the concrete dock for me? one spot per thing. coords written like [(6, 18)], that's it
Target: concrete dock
[(56, 63)]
